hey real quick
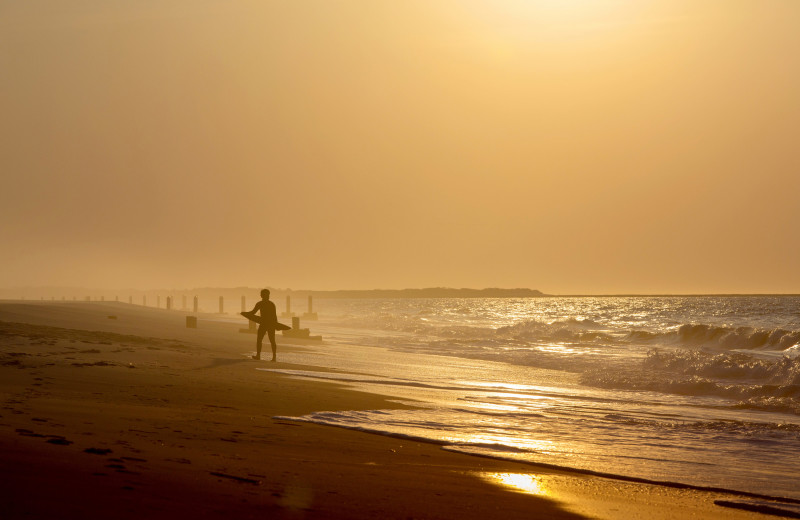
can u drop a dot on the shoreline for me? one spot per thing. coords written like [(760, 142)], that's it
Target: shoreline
[(191, 427), (554, 467)]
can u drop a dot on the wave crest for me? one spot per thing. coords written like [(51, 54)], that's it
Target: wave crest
[(747, 338), (726, 365), (571, 329), (754, 383)]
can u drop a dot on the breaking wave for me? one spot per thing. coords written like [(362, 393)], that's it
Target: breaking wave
[(762, 384), (571, 329), (426, 323), (746, 338), (689, 335)]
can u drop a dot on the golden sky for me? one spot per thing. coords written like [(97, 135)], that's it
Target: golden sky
[(574, 146)]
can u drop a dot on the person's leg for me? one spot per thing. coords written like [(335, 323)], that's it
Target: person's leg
[(259, 340), (272, 342)]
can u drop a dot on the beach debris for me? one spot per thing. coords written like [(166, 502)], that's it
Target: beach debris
[(112, 317), (244, 480)]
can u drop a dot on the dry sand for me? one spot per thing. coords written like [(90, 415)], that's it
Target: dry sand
[(139, 417)]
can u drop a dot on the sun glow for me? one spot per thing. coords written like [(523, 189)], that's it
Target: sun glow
[(555, 11), (521, 482)]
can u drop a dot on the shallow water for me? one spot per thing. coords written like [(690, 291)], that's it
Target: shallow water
[(698, 390)]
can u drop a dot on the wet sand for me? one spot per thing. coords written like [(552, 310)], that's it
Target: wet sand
[(137, 416)]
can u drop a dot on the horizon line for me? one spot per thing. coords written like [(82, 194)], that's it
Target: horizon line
[(440, 288)]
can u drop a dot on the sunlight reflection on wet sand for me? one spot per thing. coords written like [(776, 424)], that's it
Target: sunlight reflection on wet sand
[(522, 482)]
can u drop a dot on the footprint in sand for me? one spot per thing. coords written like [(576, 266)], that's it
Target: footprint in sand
[(97, 451), (28, 433), (61, 441), (52, 439), (133, 459)]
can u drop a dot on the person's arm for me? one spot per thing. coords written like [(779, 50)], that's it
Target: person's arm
[(255, 309)]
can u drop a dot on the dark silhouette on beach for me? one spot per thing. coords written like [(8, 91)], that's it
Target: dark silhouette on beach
[(267, 323)]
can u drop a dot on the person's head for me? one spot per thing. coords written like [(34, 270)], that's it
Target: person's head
[(265, 294)]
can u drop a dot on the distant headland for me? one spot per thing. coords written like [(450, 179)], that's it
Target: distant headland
[(430, 292)]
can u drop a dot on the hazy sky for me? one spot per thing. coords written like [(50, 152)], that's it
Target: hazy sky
[(574, 146)]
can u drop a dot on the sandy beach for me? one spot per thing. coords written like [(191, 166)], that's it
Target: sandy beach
[(110, 409)]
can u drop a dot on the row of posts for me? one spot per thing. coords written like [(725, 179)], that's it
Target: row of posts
[(311, 315)]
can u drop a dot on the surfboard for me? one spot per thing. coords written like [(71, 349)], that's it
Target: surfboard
[(256, 318)]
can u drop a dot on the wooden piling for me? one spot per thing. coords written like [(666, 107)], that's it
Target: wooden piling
[(310, 315), (288, 312)]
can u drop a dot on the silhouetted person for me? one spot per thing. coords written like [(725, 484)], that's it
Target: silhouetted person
[(267, 324)]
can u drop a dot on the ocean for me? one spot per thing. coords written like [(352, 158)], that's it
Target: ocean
[(700, 390)]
